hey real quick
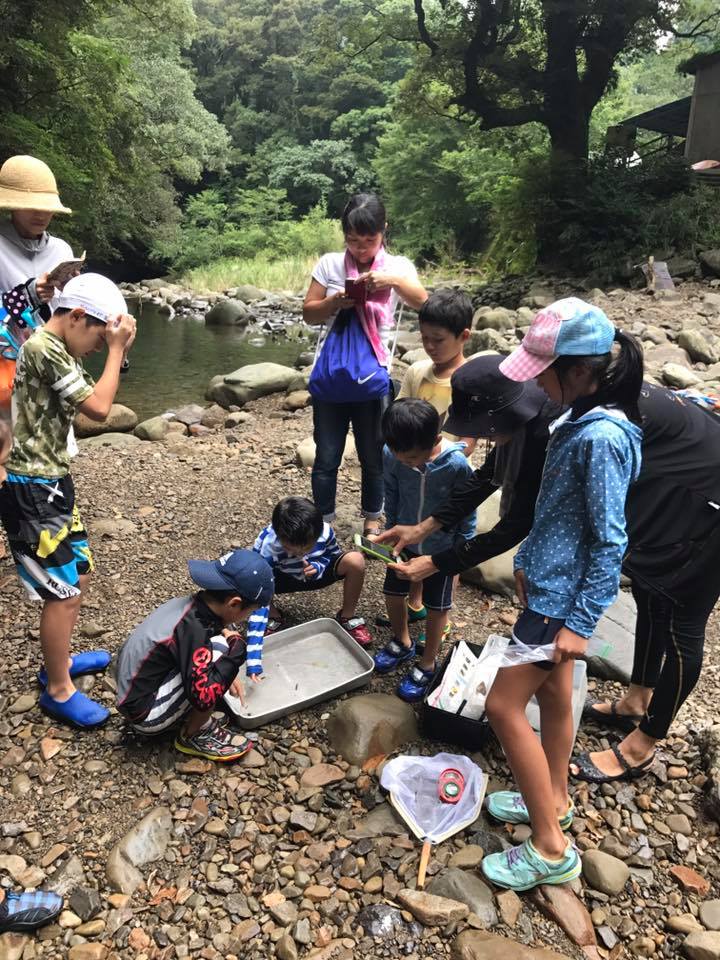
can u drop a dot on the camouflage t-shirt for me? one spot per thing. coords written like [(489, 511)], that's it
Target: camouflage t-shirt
[(49, 386)]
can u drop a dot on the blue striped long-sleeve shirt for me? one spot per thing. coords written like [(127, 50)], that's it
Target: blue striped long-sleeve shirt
[(326, 551)]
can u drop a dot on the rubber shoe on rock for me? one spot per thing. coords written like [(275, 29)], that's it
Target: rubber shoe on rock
[(91, 661), (357, 629), (392, 655), (413, 686), (522, 868), (507, 806), (78, 711)]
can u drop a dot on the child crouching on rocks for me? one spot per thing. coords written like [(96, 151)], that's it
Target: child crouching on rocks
[(304, 554), (180, 661)]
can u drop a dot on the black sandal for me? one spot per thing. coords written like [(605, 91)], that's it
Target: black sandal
[(620, 721), (586, 769)]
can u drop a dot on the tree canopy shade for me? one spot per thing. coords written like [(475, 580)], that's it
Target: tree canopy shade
[(513, 62)]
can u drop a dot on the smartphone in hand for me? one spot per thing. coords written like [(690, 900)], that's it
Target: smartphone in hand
[(356, 290)]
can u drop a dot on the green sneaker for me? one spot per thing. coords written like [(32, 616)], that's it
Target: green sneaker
[(522, 868), (509, 807)]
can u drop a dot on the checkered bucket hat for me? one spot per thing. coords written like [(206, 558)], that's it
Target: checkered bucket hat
[(568, 327)]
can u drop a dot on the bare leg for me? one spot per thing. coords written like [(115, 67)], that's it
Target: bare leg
[(415, 597), (57, 622), (556, 728), (433, 638), (397, 612), (352, 568), (505, 708)]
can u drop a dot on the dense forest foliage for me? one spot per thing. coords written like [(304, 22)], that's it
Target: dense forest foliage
[(185, 134)]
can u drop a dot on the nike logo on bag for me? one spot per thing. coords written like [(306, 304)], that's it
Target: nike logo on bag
[(365, 379)]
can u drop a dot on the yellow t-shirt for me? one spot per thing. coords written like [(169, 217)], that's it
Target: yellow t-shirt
[(420, 382)]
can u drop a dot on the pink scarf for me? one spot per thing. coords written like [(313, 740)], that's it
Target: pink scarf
[(376, 313)]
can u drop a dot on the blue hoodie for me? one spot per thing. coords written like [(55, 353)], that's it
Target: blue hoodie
[(413, 493), (573, 554)]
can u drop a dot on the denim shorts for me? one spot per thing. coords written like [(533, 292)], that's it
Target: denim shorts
[(536, 630)]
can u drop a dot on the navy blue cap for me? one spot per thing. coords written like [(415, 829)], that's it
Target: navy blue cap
[(241, 570)]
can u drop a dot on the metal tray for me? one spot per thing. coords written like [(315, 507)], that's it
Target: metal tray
[(303, 665)]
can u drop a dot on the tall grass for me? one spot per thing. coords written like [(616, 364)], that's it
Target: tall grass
[(291, 274)]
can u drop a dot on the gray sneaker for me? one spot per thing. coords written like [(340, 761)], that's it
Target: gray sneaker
[(214, 742)]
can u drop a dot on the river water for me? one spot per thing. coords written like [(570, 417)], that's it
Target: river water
[(172, 361)]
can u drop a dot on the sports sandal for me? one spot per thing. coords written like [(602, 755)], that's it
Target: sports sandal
[(92, 661), (507, 806), (522, 868), (78, 711), (392, 655), (421, 640), (586, 769), (25, 912), (357, 629), (214, 742), (621, 721)]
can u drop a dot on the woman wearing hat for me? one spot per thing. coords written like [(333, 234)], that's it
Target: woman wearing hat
[(27, 251), (673, 558)]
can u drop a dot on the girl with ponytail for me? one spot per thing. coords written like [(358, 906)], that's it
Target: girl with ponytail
[(567, 572)]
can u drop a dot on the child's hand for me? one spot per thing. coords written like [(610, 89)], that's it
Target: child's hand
[(376, 280), (44, 290), (569, 645), (237, 689), (310, 571), (257, 677), (521, 586), (121, 331)]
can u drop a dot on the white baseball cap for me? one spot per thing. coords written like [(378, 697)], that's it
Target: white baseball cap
[(97, 295)]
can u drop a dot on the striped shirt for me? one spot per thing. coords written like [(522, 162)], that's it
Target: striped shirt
[(325, 552)]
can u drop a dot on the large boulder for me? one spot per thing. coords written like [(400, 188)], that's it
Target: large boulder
[(710, 260), (467, 887), (228, 313), (369, 725), (611, 648), (305, 451), (496, 574), (253, 381), (481, 945), (156, 428), (604, 872), (412, 356), (189, 414), (699, 345), (675, 375), (117, 441), (119, 420), (146, 842), (495, 318), (486, 340), (248, 293), (682, 267)]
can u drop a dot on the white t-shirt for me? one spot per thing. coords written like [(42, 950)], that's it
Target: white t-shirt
[(330, 272)]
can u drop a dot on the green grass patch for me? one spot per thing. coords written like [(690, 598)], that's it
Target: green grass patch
[(291, 274)]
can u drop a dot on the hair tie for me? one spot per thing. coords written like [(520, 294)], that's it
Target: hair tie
[(618, 334)]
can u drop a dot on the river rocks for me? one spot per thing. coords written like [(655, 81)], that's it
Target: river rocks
[(486, 340), (455, 884), (468, 857), (146, 842), (380, 822), (675, 375), (156, 428), (228, 313), (494, 318), (702, 946), (710, 914), (12, 945), (432, 911), (479, 945), (190, 414), (710, 260), (296, 400), (117, 441), (114, 529), (496, 574), (119, 420), (250, 382), (690, 880), (560, 904), (305, 451), (248, 293), (604, 873), (699, 346), (682, 268), (370, 725), (381, 920), (709, 742), (321, 774)]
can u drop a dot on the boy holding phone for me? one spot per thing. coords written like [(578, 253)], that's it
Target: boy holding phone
[(420, 469)]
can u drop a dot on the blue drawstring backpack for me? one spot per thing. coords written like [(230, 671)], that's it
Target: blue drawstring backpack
[(347, 370)]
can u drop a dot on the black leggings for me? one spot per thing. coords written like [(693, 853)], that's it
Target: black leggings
[(669, 641)]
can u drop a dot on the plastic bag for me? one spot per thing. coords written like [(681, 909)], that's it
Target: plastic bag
[(413, 786)]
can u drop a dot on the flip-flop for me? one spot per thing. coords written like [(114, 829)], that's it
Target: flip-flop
[(586, 769), (620, 721), (92, 661), (78, 711)]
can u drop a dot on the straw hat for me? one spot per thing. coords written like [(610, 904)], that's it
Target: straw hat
[(28, 184)]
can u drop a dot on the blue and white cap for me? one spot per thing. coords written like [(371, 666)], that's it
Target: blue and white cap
[(98, 296), (241, 570)]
